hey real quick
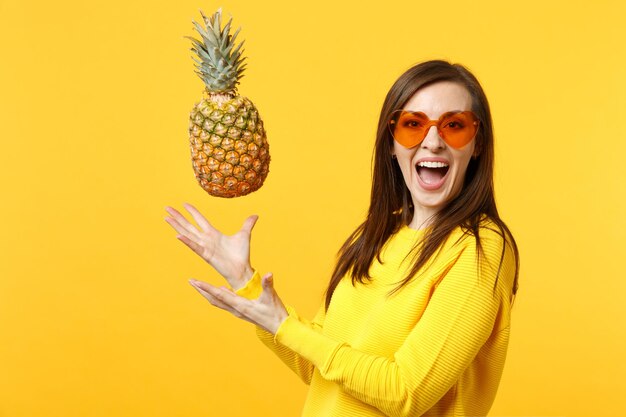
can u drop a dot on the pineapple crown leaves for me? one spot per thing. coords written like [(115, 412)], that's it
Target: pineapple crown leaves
[(219, 61)]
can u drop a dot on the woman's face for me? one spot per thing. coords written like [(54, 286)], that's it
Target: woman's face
[(434, 171)]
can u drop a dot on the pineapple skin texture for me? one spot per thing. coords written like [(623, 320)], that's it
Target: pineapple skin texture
[(229, 149)]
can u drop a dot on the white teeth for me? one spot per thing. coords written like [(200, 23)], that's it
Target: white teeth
[(429, 164)]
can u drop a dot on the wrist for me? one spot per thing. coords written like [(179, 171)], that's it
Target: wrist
[(279, 321), (243, 278)]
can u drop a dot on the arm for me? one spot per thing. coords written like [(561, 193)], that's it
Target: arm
[(458, 320), (230, 256), (460, 317), (298, 364)]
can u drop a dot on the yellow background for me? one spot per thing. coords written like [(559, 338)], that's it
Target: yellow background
[(96, 315)]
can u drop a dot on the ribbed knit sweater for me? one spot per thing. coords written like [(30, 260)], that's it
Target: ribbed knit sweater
[(435, 348)]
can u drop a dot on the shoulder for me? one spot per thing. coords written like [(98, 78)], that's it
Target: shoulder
[(489, 236), (490, 247)]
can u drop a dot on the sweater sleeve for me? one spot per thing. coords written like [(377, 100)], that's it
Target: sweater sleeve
[(458, 320), (297, 363)]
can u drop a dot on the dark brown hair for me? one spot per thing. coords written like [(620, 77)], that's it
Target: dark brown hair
[(391, 205)]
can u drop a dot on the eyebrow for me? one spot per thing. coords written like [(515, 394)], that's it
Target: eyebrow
[(442, 114)]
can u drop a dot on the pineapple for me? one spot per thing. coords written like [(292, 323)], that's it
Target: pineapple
[(229, 149)]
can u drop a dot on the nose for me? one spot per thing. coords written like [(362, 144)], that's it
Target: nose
[(433, 141)]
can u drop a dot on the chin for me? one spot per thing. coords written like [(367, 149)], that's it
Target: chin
[(432, 201)]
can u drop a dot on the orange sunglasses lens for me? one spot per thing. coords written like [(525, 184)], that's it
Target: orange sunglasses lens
[(457, 129)]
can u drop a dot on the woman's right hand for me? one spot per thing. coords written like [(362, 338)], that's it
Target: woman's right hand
[(229, 255)]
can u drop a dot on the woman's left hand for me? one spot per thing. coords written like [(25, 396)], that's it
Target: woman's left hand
[(267, 311)]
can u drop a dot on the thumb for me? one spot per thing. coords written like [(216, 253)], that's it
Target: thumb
[(267, 282), (249, 223)]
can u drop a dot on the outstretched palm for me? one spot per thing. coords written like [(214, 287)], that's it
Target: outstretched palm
[(229, 255)]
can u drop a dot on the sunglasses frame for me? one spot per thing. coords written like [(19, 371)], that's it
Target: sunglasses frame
[(396, 114)]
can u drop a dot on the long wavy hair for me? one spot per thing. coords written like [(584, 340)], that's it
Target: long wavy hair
[(391, 206)]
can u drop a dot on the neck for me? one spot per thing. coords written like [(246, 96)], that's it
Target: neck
[(422, 217)]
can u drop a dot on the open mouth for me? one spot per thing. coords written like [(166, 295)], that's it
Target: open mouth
[(431, 173)]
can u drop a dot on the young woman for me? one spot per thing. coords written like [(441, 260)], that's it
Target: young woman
[(416, 318)]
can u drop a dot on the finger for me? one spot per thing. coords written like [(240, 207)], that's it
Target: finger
[(229, 297), (214, 301), (191, 244), (180, 223), (198, 217), (242, 305), (249, 223), (205, 287), (188, 238), (243, 308), (180, 229), (220, 294)]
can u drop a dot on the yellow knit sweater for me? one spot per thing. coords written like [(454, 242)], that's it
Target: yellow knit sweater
[(435, 348)]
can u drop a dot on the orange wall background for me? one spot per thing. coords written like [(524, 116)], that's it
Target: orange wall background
[(96, 315)]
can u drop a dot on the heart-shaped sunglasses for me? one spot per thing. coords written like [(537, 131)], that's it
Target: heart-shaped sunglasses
[(457, 129)]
